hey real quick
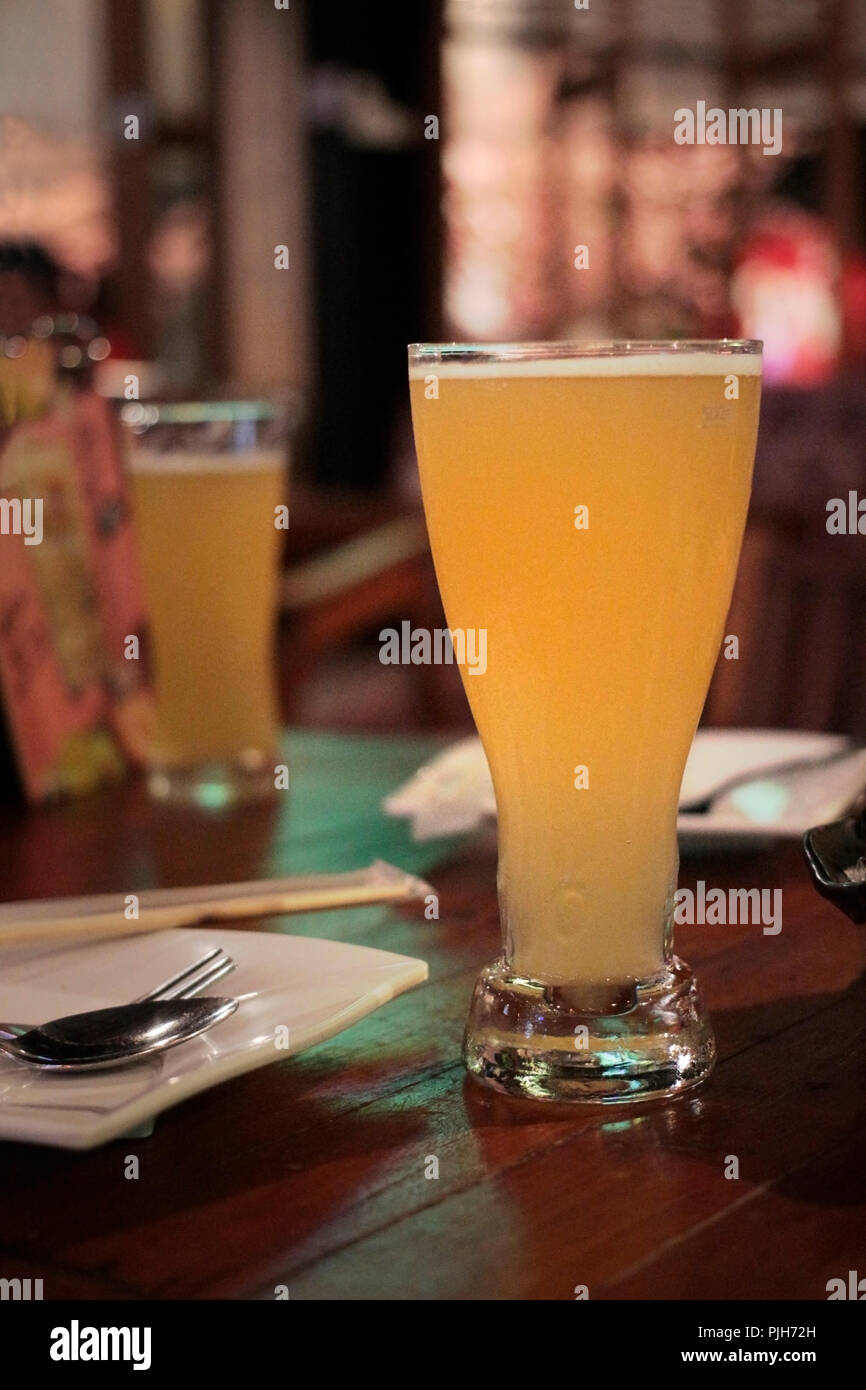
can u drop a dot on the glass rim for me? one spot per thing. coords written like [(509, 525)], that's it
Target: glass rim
[(539, 351), (150, 413)]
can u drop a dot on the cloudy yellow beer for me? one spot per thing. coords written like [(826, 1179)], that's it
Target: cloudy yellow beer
[(588, 513), (209, 554)]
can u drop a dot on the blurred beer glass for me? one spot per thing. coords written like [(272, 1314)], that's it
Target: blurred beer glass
[(208, 482)]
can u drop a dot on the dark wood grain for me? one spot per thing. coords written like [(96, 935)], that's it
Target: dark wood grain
[(311, 1172)]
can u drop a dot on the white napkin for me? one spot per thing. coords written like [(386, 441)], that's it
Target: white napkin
[(449, 795)]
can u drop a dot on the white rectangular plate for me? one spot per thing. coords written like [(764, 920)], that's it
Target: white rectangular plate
[(453, 794), (311, 988)]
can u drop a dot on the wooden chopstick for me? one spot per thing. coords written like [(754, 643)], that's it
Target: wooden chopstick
[(104, 914)]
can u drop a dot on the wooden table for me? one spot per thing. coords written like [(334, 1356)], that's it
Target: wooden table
[(312, 1172)]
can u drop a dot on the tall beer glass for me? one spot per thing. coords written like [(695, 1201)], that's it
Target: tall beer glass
[(208, 480), (586, 506)]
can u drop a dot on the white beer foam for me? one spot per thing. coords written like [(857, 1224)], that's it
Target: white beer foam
[(210, 461), (634, 363)]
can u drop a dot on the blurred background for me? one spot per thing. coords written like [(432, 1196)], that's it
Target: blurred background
[(246, 197)]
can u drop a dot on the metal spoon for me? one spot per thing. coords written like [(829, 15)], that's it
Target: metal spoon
[(109, 1037)]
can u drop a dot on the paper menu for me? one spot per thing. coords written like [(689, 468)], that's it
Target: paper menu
[(70, 596)]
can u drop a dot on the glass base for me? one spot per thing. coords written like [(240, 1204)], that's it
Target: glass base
[(544, 1042), (216, 785)]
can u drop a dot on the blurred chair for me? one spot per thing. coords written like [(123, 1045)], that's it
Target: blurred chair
[(799, 612), (799, 606), (356, 565)]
